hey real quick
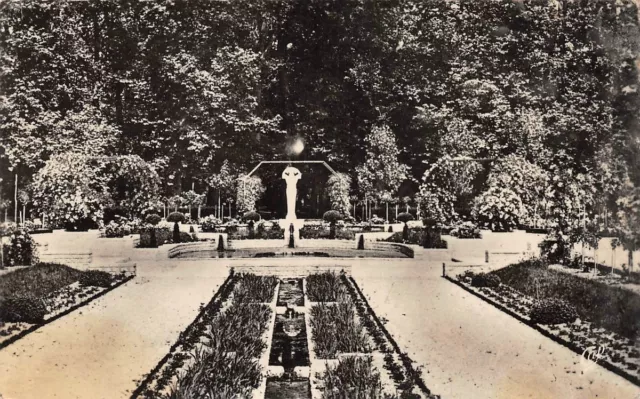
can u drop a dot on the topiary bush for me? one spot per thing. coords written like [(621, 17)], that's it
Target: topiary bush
[(552, 311), (25, 310), (176, 217), (485, 280), (176, 233), (332, 217), (251, 216), (96, 278), (153, 219), (405, 217)]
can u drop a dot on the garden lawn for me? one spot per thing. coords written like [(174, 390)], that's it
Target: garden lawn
[(613, 308), (37, 281)]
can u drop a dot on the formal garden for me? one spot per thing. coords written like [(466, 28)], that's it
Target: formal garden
[(302, 338), (279, 183)]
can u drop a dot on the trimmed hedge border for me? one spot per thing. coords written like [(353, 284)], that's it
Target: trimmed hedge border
[(220, 296), (66, 312), (567, 344), (406, 360)]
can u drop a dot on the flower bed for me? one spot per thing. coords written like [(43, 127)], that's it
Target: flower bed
[(35, 296), (419, 236), (554, 306), (365, 355), (218, 353), (321, 232)]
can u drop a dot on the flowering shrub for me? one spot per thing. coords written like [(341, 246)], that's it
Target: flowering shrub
[(70, 189), (338, 187), (122, 227), (466, 230), (376, 220), (21, 250), (498, 208), (209, 223), (249, 191)]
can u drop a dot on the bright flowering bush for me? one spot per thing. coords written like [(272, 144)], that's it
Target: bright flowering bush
[(338, 187), (466, 230), (498, 208), (375, 219), (122, 227), (209, 223), (248, 192), (21, 250), (71, 190)]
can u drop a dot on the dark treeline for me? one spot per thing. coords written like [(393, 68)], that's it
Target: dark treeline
[(188, 84)]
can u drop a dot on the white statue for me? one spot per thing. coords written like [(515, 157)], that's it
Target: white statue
[(291, 175)]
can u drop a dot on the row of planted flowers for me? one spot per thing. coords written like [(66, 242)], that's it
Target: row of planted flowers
[(217, 356), (354, 354), (316, 338), (603, 326)]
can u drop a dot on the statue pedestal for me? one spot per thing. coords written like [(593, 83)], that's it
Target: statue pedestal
[(297, 225)]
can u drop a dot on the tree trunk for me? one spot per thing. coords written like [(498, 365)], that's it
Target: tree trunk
[(396, 212), (219, 206), (24, 212), (387, 205), (630, 260)]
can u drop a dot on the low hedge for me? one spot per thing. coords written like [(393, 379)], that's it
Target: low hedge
[(417, 236), (552, 311), (163, 236), (96, 278), (22, 310), (485, 280)]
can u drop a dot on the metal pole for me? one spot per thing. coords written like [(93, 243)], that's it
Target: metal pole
[(584, 230), (15, 202)]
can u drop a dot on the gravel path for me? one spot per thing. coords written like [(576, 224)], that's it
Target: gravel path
[(469, 349), (99, 350)]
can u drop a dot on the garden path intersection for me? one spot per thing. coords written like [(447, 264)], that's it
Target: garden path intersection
[(467, 348)]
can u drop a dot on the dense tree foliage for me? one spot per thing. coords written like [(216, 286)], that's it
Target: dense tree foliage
[(202, 90)]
